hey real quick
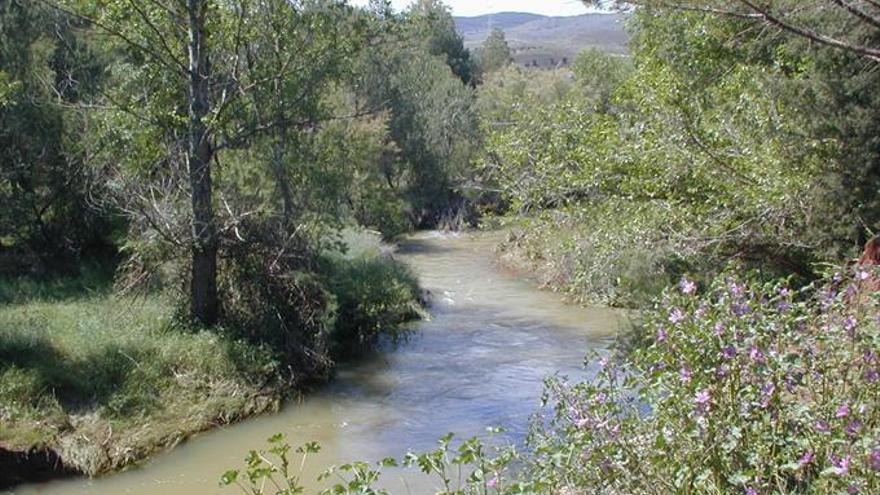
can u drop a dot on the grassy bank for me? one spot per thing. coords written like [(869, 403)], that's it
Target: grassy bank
[(104, 381)]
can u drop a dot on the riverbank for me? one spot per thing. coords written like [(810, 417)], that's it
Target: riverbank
[(99, 382), (92, 382)]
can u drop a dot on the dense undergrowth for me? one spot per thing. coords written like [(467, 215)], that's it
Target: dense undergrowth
[(622, 174), (104, 380)]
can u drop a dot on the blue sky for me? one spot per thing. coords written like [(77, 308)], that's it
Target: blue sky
[(478, 7)]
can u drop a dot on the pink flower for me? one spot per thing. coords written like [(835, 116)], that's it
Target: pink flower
[(756, 354), (493, 482), (842, 411), (806, 458), (661, 334), (841, 466), (863, 275), (874, 459), (687, 286), (728, 352), (852, 429), (676, 316), (702, 399), (684, 374)]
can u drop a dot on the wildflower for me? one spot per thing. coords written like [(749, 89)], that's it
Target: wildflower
[(849, 324), (863, 275), (719, 329), (853, 427), (687, 286), (741, 309), (806, 458), (852, 490), (842, 411), (756, 354), (767, 392), (736, 289), (661, 334), (493, 482), (684, 374), (874, 459), (840, 465), (728, 352), (751, 491), (783, 306), (676, 316), (702, 399), (872, 375), (822, 427)]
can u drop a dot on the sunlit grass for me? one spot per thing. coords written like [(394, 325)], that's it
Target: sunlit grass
[(104, 380)]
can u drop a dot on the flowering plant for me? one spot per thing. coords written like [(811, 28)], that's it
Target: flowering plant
[(746, 387)]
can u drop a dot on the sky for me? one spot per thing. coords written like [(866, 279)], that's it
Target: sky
[(479, 7)]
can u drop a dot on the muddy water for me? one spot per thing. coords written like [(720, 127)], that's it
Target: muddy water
[(480, 361)]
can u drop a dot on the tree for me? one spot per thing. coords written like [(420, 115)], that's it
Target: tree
[(192, 80), (494, 54), (805, 19), (47, 222), (431, 21)]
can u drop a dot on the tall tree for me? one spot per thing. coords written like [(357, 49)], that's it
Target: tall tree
[(494, 54)]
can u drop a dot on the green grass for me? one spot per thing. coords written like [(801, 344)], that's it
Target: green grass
[(104, 381)]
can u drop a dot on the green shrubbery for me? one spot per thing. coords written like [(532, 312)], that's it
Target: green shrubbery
[(694, 152), (373, 296)]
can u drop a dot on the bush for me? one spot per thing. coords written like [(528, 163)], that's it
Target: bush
[(750, 388), (374, 295)]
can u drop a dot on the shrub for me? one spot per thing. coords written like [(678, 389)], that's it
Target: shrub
[(374, 295), (750, 388)]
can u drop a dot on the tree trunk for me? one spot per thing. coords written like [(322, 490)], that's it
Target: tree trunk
[(280, 168), (203, 285)]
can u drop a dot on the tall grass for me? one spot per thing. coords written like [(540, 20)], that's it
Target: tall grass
[(105, 380)]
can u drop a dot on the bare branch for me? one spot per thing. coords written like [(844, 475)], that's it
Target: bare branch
[(861, 14), (871, 53)]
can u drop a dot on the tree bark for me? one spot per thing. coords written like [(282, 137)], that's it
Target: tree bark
[(203, 284)]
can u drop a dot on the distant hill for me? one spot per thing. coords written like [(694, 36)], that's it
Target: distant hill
[(548, 41)]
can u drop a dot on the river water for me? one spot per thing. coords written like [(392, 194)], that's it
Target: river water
[(480, 361)]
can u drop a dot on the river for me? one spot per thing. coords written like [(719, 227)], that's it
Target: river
[(480, 361)]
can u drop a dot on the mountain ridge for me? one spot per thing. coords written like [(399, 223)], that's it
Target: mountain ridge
[(548, 41)]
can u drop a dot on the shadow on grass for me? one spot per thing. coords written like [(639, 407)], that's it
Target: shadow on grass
[(116, 377)]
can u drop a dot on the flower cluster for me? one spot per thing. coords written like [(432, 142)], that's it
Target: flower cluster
[(747, 387)]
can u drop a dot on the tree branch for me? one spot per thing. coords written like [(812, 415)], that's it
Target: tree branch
[(861, 14), (175, 66), (768, 17)]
